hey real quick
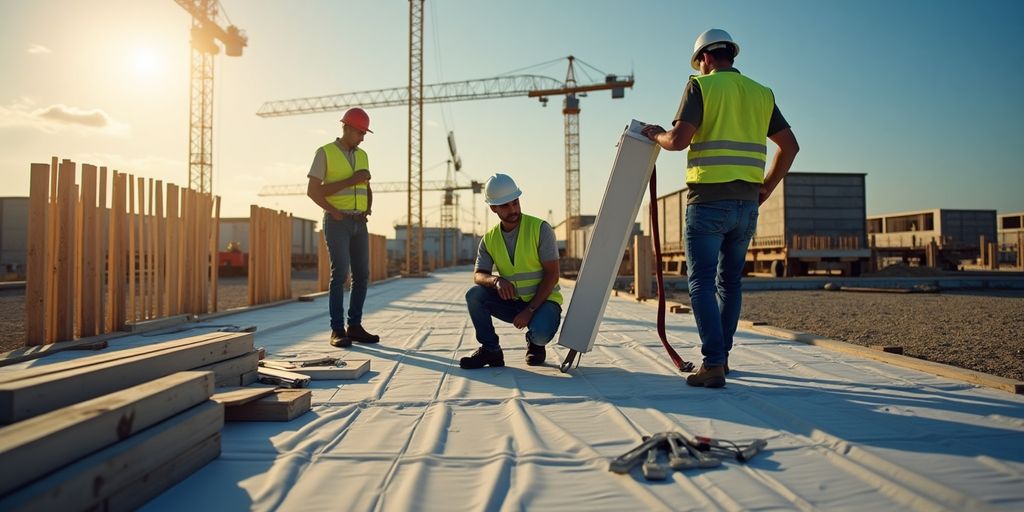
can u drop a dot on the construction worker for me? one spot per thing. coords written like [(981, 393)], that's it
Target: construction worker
[(339, 182), (525, 291), (725, 119)]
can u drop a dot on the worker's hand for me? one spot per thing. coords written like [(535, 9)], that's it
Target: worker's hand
[(652, 131), (361, 176), (522, 319), (337, 215), (762, 194), (506, 290)]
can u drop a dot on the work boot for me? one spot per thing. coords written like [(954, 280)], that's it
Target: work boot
[(357, 333), (482, 358), (535, 354), (709, 377), (338, 339)]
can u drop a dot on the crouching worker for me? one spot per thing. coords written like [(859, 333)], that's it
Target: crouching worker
[(525, 291)]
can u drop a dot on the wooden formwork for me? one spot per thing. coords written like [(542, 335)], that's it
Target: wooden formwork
[(270, 255), (378, 261), (102, 257)]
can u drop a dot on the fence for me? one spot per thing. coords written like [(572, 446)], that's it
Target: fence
[(378, 261), (270, 255), (99, 261)]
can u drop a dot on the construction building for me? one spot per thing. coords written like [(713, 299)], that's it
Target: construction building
[(956, 235), (1011, 238), (439, 245), (13, 237), (812, 222), (234, 237)]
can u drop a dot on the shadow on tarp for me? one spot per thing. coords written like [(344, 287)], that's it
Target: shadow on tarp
[(881, 416)]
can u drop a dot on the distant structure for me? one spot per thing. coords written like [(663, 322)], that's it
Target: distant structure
[(1011, 238), (954, 235), (13, 237)]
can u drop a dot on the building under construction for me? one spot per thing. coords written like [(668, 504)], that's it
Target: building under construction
[(938, 237)]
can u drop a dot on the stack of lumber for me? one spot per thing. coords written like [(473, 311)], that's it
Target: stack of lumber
[(113, 430), (113, 452)]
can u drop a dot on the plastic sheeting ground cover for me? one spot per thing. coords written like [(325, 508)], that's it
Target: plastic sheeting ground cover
[(419, 433)]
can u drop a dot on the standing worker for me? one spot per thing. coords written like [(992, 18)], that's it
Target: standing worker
[(525, 291), (727, 117), (339, 182)]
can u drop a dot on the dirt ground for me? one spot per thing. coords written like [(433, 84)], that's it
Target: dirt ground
[(978, 330)]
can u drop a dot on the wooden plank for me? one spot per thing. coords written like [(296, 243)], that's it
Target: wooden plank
[(971, 376), (157, 323), (161, 251), (229, 371), (131, 315), (155, 482), (30, 397), (89, 321), (214, 256), (36, 351), (283, 405), (52, 229), (114, 356), (887, 348), (283, 377), (234, 396), (87, 483), (65, 263), (36, 271), (36, 446), (173, 301), (353, 369), (100, 250), (142, 254)]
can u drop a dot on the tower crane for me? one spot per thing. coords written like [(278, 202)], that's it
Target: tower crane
[(206, 30), (534, 86)]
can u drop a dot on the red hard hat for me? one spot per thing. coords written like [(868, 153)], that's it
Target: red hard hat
[(357, 118)]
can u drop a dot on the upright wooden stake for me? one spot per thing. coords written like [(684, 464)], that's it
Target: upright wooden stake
[(90, 268), (101, 249), (65, 252), (37, 276)]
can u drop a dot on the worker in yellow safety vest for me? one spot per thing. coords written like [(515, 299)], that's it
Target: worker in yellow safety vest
[(339, 182), (525, 291), (724, 119)]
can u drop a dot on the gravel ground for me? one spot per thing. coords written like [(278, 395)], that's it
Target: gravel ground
[(982, 330)]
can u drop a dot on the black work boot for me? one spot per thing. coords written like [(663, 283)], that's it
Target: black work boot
[(357, 333), (535, 354), (709, 377), (338, 339), (482, 358)]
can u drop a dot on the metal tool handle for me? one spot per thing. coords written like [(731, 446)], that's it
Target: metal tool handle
[(751, 450), (627, 461), (652, 470)]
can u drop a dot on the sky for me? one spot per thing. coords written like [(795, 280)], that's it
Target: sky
[(922, 96)]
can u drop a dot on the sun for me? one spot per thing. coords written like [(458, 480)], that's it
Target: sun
[(146, 62)]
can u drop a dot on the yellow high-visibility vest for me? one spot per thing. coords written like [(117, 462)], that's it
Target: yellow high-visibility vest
[(527, 272), (730, 143), (352, 199)]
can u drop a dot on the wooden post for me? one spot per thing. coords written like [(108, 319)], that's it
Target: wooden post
[(642, 267), (90, 268), (161, 251), (254, 237), (983, 252), (143, 255), (1020, 249), (101, 249), (215, 254), (173, 250), (53, 222), (66, 252), (993, 256), (37, 277), (131, 249)]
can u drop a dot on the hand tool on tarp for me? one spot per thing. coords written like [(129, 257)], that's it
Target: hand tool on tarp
[(683, 453)]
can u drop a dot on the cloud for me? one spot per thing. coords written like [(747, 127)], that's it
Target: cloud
[(38, 49), (58, 117)]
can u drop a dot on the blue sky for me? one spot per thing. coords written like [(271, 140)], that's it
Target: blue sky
[(923, 96)]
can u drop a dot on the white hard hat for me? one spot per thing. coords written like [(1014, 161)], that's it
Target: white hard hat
[(707, 40), (500, 189)]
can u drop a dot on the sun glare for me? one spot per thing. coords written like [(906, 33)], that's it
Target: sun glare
[(146, 62)]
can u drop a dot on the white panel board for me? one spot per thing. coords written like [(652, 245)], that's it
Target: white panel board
[(622, 197)]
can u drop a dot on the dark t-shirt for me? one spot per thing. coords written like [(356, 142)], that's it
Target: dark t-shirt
[(691, 110)]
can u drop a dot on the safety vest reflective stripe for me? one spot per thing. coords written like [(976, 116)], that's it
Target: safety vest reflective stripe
[(528, 271), (729, 144), (532, 289), (725, 160)]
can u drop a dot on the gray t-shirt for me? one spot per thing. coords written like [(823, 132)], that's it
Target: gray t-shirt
[(548, 249), (319, 168)]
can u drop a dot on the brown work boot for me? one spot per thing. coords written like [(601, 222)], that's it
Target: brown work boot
[(338, 339), (535, 354), (357, 333), (709, 377)]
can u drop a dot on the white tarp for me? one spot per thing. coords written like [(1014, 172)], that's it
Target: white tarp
[(419, 433)]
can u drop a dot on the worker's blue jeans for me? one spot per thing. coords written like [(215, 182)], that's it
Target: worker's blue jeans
[(717, 236), (348, 243), (485, 303)]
